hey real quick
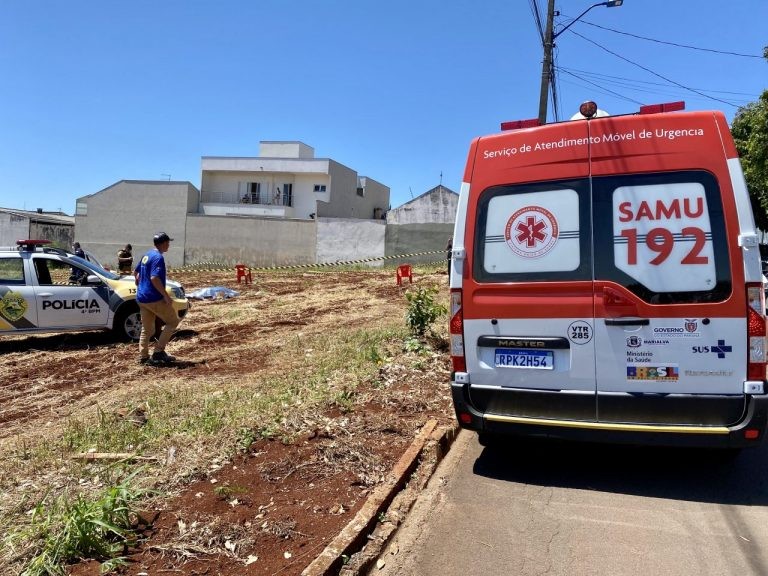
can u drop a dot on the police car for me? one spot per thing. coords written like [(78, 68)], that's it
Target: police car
[(46, 289)]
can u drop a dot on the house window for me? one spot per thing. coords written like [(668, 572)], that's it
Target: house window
[(254, 189), (287, 195), (319, 187), (249, 192), (361, 191)]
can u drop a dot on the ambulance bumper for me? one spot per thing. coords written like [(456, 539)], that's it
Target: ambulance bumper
[(748, 432)]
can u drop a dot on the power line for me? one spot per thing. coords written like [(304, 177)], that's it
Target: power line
[(654, 73), (609, 77), (688, 46), (603, 88), (537, 18)]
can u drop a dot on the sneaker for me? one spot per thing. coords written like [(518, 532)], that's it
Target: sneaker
[(163, 357), (144, 360)]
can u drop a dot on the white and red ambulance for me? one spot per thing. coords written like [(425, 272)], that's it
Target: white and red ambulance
[(606, 283)]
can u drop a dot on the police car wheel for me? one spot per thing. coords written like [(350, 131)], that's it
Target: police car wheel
[(127, 325)]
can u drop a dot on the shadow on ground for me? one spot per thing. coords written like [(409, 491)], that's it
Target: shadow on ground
[(677, 473)]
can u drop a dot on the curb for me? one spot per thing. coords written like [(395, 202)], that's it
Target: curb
[(361, 541)]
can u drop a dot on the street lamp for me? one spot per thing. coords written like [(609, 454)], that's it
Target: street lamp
[(610, 4), (549, 41)]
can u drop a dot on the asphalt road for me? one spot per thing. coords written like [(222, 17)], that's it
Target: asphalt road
[(545, 508)]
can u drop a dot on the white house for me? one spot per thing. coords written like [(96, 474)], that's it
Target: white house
[(287, 181)]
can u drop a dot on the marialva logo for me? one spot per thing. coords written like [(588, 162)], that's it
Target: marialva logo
[(13, 306)]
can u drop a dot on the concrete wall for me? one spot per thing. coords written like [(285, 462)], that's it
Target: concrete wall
[(344, 202), (282, 149), (256, 242), (436, 206), (133, 212), (413, 238), (13, 227), (60, 235), (20, 227), (345, 239)]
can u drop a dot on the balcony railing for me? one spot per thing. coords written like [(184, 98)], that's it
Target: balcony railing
[(262, 199)]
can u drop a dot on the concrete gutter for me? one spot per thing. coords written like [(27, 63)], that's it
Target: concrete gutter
[(361, 541)]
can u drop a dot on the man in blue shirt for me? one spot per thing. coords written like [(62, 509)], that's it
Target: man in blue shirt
[(154, 302)]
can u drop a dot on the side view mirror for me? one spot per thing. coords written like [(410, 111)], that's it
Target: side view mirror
[(92, 280)]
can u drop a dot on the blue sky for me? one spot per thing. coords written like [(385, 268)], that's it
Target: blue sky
[(98, 91)]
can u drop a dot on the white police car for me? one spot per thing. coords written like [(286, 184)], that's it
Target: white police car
[(45, 289)]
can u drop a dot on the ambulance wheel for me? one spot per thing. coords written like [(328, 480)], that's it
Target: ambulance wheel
[(127, 326)]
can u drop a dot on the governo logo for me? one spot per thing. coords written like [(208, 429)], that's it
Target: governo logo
[(531, 232)]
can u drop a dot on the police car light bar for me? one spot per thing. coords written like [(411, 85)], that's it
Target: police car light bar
[(665, 107), (31, 244), (518, 124)]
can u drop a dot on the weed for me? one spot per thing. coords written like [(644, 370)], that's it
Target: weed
[(66, 530), (227, 492), (413, 344)]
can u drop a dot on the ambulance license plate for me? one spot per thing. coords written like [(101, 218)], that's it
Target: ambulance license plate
[(535, 359)]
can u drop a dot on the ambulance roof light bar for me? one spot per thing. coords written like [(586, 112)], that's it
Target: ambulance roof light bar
[(519, 124), (664, 107)]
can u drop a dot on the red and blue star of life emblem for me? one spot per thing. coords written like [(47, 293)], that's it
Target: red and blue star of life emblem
[(531, 232)]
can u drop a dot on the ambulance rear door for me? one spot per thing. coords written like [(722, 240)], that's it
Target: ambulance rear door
[(528, 298), (670, 327)]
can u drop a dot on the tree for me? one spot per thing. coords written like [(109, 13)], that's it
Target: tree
[(750, 132)]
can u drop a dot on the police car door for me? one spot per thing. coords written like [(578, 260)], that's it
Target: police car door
[(63, 305), (17, 298), (669, 328)]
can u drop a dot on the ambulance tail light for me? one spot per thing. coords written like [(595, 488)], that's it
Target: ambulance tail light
[(665, 107), (756, 332), (456, 326)]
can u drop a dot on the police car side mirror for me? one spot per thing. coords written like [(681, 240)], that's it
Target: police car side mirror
[(92, 280)]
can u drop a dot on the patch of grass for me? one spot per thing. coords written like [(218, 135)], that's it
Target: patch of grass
[(194, 419), (64, 529)]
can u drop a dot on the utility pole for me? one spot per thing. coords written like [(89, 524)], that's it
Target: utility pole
[(549, 42), (546, 65)]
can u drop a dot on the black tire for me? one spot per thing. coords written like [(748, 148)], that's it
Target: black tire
[(127, 325)]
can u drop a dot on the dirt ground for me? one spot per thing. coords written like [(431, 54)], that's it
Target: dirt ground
[(272, 508)]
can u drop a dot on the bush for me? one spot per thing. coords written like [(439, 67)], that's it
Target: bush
[(422, 310)]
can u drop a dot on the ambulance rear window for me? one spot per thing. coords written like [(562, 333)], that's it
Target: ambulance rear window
[(534, 232), (663, 236)]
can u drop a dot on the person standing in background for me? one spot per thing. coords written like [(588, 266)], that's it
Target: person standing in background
[(154, 302), (125, 259)]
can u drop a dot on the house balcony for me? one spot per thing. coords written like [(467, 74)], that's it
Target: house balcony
[(274, 205)]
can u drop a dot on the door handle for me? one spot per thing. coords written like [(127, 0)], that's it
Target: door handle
[(627, 321)]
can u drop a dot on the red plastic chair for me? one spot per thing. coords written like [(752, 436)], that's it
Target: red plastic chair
[(404, 271), (243, 272)]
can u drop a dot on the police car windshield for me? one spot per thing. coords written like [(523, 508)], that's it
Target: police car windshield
[(95, 267)]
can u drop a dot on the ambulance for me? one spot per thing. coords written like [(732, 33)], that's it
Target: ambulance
[(606, 283)]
